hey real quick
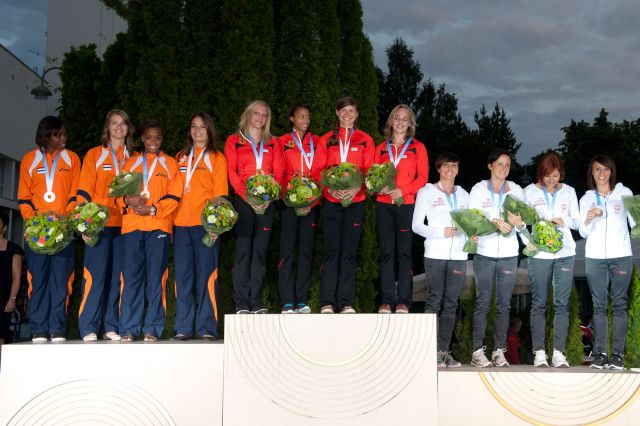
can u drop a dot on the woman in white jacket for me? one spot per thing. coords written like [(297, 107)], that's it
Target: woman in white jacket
[(603, 222), (496, 259), (558, 203), (445, 263)]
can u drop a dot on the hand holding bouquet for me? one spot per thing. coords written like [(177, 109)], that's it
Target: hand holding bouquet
[(262, 189), (218, 216), (381, 176), (302, 192), (632, 204), (545, 236), (89, 219), (341, 177), (517, 207), (47, 233), (472, 222), (125, 183)]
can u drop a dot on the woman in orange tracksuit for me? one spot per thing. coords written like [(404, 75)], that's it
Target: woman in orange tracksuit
[(393, 223), (298, 150), (146, 226), (48, 178), (251, 149), (204, 173), (102, 275), (342, 226)]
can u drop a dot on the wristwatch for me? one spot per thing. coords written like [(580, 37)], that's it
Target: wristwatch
[(153, 210)]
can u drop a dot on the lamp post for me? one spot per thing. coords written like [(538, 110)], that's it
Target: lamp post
[(42, 91)]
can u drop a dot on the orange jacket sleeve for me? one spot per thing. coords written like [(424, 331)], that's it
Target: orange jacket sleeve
[(75, 179), (25, 196), (169, 202), (88, 178), (219, 176)]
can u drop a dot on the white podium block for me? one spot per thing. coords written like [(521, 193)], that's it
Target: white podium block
[(162, 383), (520, 395), (363, 369)]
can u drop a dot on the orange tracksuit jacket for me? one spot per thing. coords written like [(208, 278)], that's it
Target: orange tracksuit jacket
[(361, 153), (32, 185), (97, 173), (165, 188), (209, 181), (413, 169)]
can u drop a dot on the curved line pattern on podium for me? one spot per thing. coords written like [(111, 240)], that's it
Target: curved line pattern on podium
[(92, 401), (375, 374), (579, 398)]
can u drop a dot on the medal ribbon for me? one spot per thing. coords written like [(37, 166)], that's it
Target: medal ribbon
[(191, 170), (146, 177), (308, 158), (259, 156), (496, 208), (396, 161), (452, 205), (117, 165), (344, 147), (551, 206), (50, 176)]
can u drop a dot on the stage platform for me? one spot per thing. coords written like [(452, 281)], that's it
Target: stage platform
[(299, 370)]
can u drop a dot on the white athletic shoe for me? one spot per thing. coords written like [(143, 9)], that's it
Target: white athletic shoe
[(498, 358), (479, 359), (558, 360), (540, 359), (91, 337)]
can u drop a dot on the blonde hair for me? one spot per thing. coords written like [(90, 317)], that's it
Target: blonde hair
[(243, 126), (129, 141), (411, 130)]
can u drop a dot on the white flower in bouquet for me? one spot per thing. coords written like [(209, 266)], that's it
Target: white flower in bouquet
[(260, 189), (59, 238), (211, 219), (127, 176), (293, 198), (82, 227), (102, 215)]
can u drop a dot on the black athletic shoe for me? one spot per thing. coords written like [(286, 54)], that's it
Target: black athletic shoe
[(600, 361), (615, 362)]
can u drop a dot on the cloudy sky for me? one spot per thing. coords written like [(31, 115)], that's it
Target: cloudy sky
[(544, 61)]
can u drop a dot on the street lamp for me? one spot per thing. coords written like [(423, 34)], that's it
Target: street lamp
[(42, 91)]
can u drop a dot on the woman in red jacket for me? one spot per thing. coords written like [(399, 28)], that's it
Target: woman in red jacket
[(298, 148), (249, 150), (393, 222), (342, 226)]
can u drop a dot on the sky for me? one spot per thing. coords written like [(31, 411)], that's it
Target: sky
[(545, 61)]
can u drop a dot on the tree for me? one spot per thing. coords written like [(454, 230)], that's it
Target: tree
[(495, 131)]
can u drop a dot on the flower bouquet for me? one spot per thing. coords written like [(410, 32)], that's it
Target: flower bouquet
[(472, 222), (632, 204), (545, 236), (125, 183), (301, 192), (518, 207), (262, 189), (89, 219), (343, 176), (218, 216), (47, 233), (380, 176)]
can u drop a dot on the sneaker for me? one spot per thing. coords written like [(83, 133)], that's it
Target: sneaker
[(498, 358), (451, 362), (208, 338), (39, 338), (91, 337), (112, 335), (128, 338), (540, 358), (243, 312), (348, 310), (402, 309), (58, 338), (384, 309), (615, 362), (180, 338), (558, 360), (288, 309), (326, 309), (440, 360), (303, 308), (150, 338), (479, 359), (260, 311), (600, 361)]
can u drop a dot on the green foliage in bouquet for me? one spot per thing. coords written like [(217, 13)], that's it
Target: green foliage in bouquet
[(125, 183), (381, 176), (472, 222), (218, 217), (47, 233), (632, 204), (89, 219), (301, 192), (545, 236), (262, 189), (516, 206), (342, 176)]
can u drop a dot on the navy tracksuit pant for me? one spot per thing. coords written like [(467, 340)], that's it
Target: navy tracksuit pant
[(147, 255), (102, 280), (50, 281), (196, 265)]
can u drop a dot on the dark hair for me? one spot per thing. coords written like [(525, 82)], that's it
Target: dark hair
[(151, 124), (342, 102), (212, 135), (496, 153), (446, 157), (4, 217), (47, 127), (606, 161), (295, 107), (548, 163)]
